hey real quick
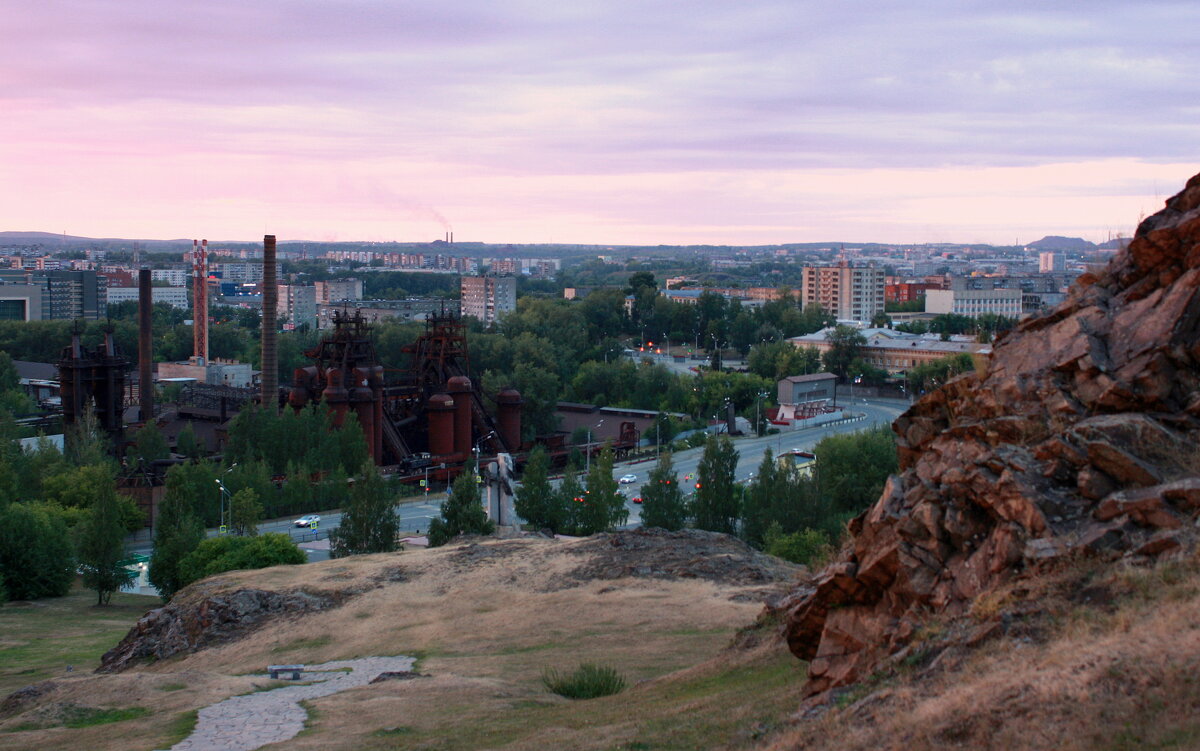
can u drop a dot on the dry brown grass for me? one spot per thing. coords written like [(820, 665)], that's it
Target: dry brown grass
[(1110, 660), (485, 621)]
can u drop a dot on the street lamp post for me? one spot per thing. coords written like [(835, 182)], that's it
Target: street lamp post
[(225, 494), (588, 457), (757, 414)]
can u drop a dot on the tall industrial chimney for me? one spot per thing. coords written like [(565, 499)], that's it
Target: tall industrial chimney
[(145, 345), (270, 347), (200, 301)]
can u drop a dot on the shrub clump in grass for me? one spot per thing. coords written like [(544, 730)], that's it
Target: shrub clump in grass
[(587, 682)]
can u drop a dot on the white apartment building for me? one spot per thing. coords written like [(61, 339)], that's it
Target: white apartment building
[(850, 293), (241, 273), (488, 297), (176, 297), (974, 302), (173, 277)]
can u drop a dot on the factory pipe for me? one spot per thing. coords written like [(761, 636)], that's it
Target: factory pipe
[(270, 346), (145, 345)]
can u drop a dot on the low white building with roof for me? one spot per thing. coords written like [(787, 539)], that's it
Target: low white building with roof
[(899, 351)]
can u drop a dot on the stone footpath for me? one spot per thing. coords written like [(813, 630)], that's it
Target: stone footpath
[(242, 723)]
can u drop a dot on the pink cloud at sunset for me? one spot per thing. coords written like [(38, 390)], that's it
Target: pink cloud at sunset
[(605, 122)]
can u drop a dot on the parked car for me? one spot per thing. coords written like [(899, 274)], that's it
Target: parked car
[(637, 499), (309, 520), (626, 479)]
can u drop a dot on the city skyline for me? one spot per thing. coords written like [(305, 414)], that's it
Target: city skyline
[(605, 123)]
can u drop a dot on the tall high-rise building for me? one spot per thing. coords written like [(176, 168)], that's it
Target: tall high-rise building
[(61, 294), (298, 305), (1049, 261), (850, 293), (487, 297)]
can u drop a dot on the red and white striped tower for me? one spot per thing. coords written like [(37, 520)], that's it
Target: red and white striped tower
[(200, 300)]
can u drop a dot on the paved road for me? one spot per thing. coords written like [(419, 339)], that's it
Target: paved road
[(416, 513)]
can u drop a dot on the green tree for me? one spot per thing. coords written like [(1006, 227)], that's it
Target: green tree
[(760, 500), (536, 501), (216, 555), (100, 546), (852, 468), (845, 346), (369, 523), (603, 506), (716, 506), (462, 513), (570, 498), (177, 532), (194, 484), (84, 442), (36, 559), (82, 487), (245, 512), (148, 445), (10, 379), (663, 504), (187, 444)]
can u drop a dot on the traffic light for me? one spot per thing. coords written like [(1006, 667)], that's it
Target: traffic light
[(697, 486)]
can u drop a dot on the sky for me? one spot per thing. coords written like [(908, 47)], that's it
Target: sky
[(596, 121)]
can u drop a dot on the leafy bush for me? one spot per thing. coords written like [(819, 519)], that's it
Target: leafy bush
[(462, 513), (217, 554), (810, 547), (36, 557), (587, 682)]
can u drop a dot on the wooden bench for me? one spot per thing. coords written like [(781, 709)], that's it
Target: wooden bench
[(295, 670)]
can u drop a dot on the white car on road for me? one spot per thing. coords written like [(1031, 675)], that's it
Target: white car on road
[(309, 521), (627, 479)]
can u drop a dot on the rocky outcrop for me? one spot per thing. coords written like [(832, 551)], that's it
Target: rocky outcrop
[(684, 554), (190, 623), (1080, 436)]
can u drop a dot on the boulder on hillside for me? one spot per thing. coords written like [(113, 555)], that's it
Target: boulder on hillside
[(1081, 436)]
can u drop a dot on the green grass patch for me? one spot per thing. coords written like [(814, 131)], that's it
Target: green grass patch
[(315, 642), (86, 717), (172, 687), (41, 638), (588, 681), (181, 727), (393, 732)]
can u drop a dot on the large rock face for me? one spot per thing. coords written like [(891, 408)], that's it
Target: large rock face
[(1081, 435)]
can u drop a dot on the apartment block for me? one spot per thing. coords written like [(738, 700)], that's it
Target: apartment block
[(488, 297), (176, 297), (850, 293), (297, 306), (173, 277), (338, 289)]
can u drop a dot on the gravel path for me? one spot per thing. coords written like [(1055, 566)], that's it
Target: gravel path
[(242, 723)]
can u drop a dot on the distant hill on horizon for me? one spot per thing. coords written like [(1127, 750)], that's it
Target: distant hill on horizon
[(1057, 242)]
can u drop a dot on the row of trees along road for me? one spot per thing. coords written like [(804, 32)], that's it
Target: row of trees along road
[(571, 508), (783, 510)]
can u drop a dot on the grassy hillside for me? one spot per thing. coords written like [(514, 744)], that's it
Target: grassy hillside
[(486, 620)]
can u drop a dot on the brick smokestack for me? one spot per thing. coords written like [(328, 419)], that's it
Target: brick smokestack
[(270, 347), (145, 345)]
